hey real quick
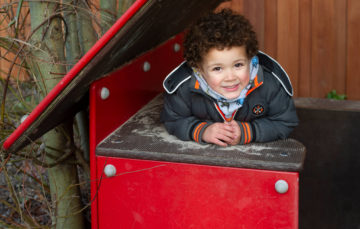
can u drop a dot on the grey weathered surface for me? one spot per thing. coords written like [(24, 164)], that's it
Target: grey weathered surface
[(144, 137), (327, 104)]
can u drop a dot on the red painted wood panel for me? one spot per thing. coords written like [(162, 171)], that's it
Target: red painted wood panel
[(130, 88), (155, 194)]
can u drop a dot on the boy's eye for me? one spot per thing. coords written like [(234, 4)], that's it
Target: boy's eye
[(216, 69), (238, 65)]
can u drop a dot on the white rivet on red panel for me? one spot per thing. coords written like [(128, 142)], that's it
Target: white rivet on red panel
[(110, 170), (104, 93), (146, 66), (177, 47), (281, 186)]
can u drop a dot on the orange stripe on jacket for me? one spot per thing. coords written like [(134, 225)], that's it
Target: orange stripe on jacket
[(244, 128), (256, 85), (256, 82), (198, 130), (248, 132), (197, 85)]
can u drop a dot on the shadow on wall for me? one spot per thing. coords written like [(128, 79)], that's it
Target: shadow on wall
[(330, 180)]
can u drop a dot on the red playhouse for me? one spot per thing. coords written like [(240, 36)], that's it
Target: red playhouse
[(141, 176)]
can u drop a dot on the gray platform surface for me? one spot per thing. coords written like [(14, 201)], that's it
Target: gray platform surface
[(144, 137)]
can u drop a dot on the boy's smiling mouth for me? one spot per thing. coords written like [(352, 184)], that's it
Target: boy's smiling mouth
[(231, 88)]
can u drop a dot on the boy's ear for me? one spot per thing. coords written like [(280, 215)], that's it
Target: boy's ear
[(199, 68)]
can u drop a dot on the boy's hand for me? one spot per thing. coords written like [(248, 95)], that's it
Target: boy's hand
[(222, 134), (236, 131)]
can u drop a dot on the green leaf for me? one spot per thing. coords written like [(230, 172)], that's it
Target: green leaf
[(333, 95)]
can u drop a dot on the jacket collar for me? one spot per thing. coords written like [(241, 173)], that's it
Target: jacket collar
[(257, 82)]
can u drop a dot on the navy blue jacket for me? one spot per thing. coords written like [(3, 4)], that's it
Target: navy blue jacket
[(268, 112)]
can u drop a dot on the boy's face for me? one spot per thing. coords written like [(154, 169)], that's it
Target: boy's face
[(226, 71)]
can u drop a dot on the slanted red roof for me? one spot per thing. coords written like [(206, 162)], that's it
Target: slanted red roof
[(144, 26)]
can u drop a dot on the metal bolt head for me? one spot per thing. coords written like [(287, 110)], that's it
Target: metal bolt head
[(23, 118), (177, 47), (146, 66), (281, 186), (104, 93), (110, 170)]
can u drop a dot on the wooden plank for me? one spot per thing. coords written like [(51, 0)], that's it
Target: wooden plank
[(224, 5), (353, 47), (328, 57), (304, 86), (340, 34), (288, 38), (254, 11), (270, 28), (236, 5), (321, 46)]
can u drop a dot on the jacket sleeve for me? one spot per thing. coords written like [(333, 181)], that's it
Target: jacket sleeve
[(280, 119), (179, 120)]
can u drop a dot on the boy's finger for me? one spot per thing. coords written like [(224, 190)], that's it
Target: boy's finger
[(229, 133), (228, 127), (227, 139), (219, 143)]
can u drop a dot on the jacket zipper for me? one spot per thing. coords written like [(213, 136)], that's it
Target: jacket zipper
[(222, 115)]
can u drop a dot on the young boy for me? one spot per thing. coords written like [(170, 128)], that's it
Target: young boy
[(227, 92)]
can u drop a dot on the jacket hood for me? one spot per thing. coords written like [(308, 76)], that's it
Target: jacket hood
[(183, 73)]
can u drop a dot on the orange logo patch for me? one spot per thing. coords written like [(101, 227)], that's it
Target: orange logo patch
[(258, 109)]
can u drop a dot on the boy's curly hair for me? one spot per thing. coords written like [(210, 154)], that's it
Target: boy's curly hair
[(218, 30)]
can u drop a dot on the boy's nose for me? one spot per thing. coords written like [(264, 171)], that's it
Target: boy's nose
[(230, 75)]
